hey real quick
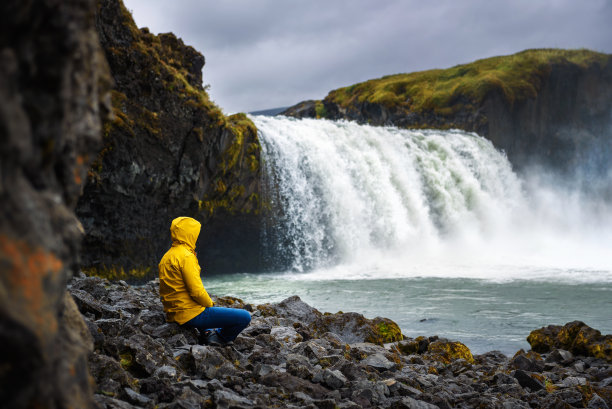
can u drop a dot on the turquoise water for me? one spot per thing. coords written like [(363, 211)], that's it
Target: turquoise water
[(485, 315)]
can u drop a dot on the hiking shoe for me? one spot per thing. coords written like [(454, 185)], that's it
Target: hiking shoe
[(214, 339), (203, 336)]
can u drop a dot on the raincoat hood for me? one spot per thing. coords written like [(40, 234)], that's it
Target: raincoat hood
[(185, 230)]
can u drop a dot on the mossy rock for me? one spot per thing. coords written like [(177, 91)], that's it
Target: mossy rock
[(576, 337), (448, 351), (384, 331)]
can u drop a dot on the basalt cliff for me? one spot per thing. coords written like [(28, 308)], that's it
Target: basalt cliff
[(168, 151), (546, 107)]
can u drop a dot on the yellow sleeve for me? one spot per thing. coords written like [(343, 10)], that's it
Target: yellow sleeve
[(193, 282)]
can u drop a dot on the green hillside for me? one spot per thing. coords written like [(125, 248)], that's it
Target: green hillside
[(445, 91)]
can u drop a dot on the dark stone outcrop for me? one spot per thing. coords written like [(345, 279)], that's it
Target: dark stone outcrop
[(54, 86), (566, 126), (168, 152), (287, 358)]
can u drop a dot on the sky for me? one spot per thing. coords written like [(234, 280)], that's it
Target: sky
[(264, 54)]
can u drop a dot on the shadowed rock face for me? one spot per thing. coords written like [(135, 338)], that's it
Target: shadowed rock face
[(53, 84), (168, 152)]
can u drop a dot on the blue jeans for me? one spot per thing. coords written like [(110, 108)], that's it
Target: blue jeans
[(229, 321)]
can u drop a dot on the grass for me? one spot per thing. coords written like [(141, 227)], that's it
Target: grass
[(445, 91)]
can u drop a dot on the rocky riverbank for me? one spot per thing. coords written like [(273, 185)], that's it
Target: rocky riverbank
[(293, 356)]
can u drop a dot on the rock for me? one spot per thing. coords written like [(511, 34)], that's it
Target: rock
[(411, 403), (286, 335), (333, 379), (112, 403), (378, 362), (504, 379), (573, 381), (527, 381), (559, 356), (227, 399), (597, 402), (447, 351), (576, 337), (304, 109), (293, 308), (207, 360), (166, 371), (413, 346), (293, 383), (520, 361), (135, 398), (352, 328)]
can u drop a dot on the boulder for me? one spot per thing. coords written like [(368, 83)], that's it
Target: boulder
[(576, 337)]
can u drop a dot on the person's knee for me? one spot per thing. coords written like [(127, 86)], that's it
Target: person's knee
[(245, 317)]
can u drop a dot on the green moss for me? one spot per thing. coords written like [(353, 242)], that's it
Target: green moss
[(126, 360), (515, 77), (446, 352), (384, 331), (320, 109)]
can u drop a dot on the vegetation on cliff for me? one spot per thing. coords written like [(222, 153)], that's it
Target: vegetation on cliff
[(446, 91)]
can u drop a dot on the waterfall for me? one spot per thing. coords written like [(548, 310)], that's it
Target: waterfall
[(347, 193)]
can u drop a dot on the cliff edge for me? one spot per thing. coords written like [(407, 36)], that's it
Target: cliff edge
[(548, 107)]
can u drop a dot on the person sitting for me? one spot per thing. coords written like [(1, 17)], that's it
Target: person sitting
[(183, 295)]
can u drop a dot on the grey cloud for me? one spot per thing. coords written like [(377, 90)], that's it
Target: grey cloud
[(268, 53)]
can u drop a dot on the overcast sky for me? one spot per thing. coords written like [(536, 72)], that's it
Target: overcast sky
[(272, 53)]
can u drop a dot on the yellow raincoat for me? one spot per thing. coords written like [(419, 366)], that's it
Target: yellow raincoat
[(180, 285)]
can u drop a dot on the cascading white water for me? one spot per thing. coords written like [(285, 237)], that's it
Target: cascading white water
[(391, 200)]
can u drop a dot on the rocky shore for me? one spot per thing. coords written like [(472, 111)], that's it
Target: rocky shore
[(293, 356)]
